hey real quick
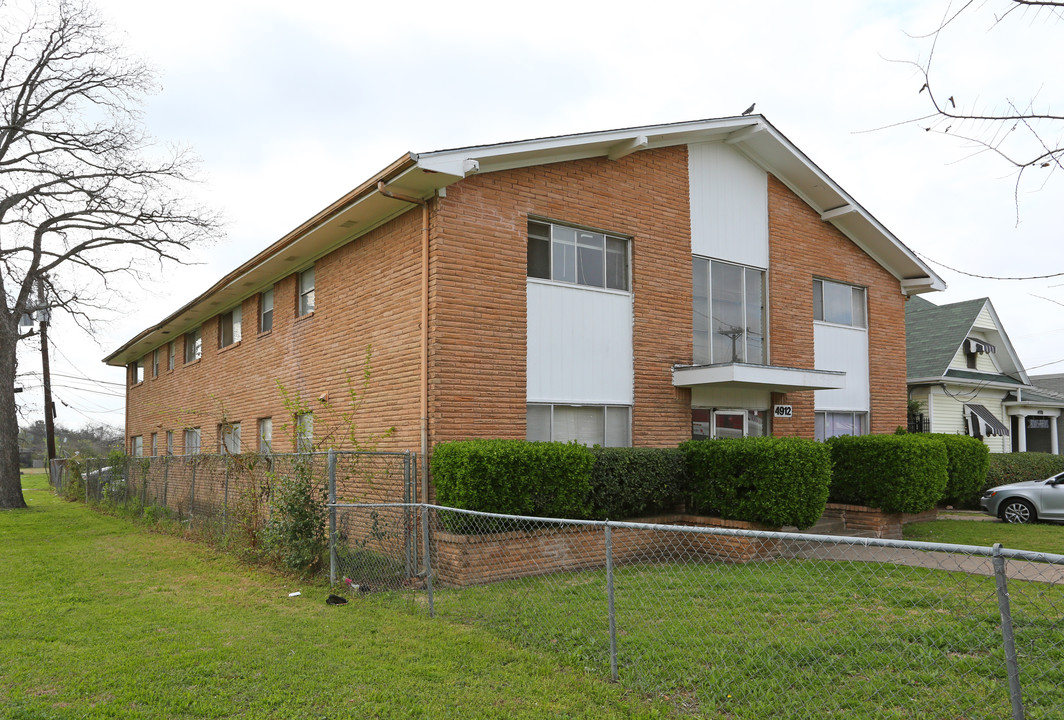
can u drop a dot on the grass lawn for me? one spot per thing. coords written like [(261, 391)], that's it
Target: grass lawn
[(1040, 537), (100, 618)]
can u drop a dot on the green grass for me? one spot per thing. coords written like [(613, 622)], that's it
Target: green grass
[(1039, 537), (100, 618)]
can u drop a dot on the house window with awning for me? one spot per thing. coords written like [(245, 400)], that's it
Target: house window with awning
[(982, 423)]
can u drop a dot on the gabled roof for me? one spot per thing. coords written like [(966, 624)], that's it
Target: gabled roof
[(934, 334), (423, 175)]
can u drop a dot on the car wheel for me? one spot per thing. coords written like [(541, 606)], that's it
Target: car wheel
[(1018, 512)]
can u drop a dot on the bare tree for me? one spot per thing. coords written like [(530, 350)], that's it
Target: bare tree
[(1022, 131), (85, 195)]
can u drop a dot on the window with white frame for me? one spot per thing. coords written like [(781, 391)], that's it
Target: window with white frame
[(137, 449), (229, 327), (833, 424), (572, 255), (192, 441), (169, 442), (605, 425), (266, 311), (306, 291), (305, 432), (265, 435), (154, 444), (171, 361), (155, 363), (728, 313), (193, 345), (229, 438), (136, 372), (839, 303)]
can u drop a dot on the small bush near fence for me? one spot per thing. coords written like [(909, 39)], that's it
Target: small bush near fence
[(543, 479), (774, 481), (1008, 468), (895, 473), (967, 459), (637, 482)]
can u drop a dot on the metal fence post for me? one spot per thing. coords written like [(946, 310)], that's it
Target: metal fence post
[(1011, 662), (332, 516), (144, 468), (225, 498), (166, 478), (609, 600), (192, 492), (428, 554)]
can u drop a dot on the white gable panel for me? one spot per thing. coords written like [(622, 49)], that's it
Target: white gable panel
[(729, 205), (846, 349), (579, 346)]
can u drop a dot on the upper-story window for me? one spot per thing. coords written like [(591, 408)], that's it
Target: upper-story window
[(193, 345), (266, 311), (155, 364), (230, 327), (136, 372), (728, 312), (839, 303), (171, 359), (306, 291), (571, 255)]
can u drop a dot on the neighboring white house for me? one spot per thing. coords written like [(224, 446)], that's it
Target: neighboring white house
[(968, 379)]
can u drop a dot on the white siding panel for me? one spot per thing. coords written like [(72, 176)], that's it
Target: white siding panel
[(985, 321), (729, 205), (846, 349), (948, 413), (579, 346)]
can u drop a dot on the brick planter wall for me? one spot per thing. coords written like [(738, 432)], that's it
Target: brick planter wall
[(859, 518), (463, 560)]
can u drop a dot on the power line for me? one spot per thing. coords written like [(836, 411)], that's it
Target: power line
[(989, 277)]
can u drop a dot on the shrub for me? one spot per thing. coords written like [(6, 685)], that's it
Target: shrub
[(636, 482), (515, 477), (895, 473), (1008, 468), (967, 461), (295, 533), (774, 481)]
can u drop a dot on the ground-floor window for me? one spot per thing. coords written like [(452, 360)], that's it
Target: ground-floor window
[(138, 446), (736, 423), (192, 441), (833, 424), (606, 425)]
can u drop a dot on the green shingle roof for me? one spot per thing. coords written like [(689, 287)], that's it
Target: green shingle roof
[(933, 333)]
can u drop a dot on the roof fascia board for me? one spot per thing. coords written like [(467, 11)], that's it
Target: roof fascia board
[(401, 167)]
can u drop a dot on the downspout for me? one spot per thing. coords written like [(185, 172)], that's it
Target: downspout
[(424, 390)]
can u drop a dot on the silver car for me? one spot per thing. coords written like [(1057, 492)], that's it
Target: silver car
[(1025, 502)]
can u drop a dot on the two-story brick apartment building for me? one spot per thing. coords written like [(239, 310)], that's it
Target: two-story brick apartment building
[(634, 286)]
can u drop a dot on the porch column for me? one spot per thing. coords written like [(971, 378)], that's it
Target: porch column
[(1021, 432), (1053, 444)]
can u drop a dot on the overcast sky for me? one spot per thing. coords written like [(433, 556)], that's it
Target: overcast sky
[(290, 105)]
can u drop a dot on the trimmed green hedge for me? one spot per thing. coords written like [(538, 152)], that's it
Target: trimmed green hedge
[(515, 477), (896, 473), (1008, 468), (774, 481), (967, 461), (637, 482)]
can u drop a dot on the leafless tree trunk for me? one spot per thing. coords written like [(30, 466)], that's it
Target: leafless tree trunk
[(84, 193)]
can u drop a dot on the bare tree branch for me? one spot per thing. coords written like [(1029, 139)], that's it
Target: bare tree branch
[(85, 194)]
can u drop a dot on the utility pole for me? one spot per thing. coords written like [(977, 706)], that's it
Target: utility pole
[(49, 407)]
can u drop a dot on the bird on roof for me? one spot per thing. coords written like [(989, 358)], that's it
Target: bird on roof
[(750, 109)]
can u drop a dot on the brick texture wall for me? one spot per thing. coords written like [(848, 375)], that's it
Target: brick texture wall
[(479, 271), (367, 293), (801, 247)]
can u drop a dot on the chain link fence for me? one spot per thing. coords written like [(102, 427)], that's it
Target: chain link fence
[(736, 623)]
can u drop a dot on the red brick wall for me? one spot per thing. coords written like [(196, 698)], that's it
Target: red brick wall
[(367, 292), (802, 246), (478, 328)]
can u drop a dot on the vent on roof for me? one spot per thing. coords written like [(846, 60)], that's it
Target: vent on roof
[(348, 223)]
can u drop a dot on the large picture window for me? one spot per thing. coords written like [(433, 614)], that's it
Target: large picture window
[(728, 315), (605, 425), (834, 424), (582, 257), (839, 303)]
